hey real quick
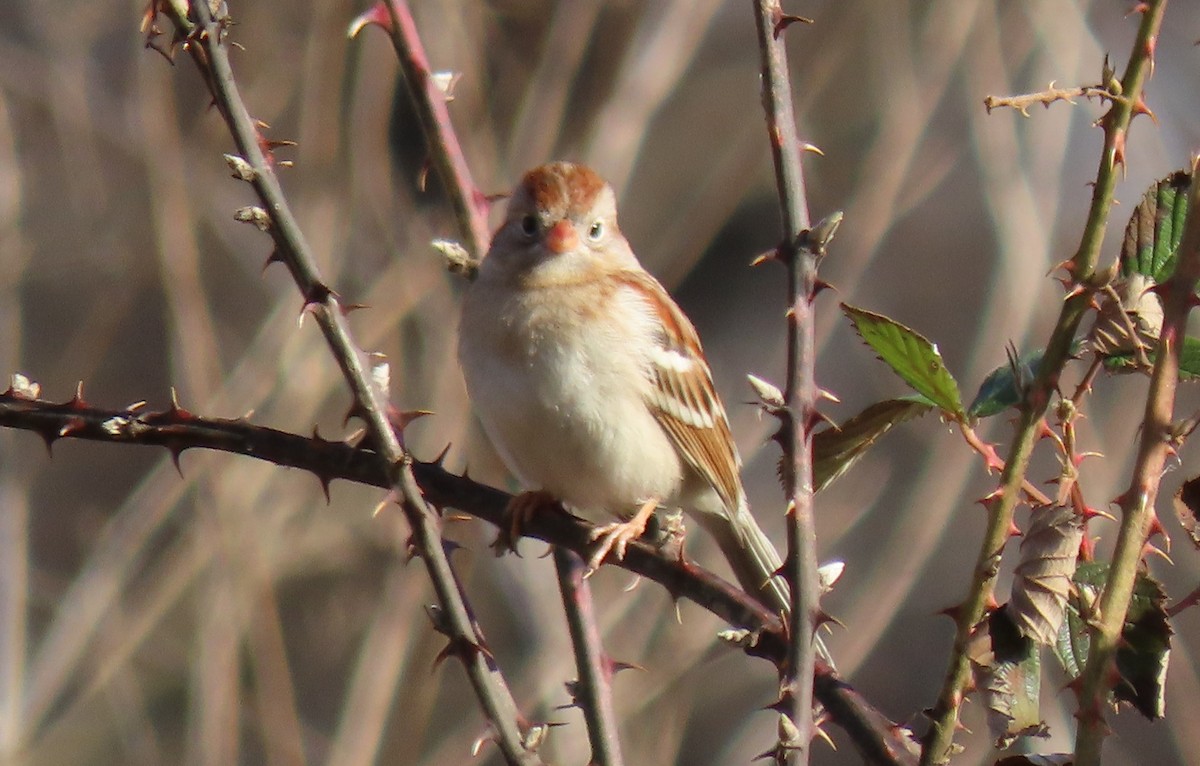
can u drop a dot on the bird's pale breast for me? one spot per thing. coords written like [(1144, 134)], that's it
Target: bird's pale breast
[(564, 401)]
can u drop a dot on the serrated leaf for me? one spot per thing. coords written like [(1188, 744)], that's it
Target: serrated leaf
[(1144, 650), (1003, 386), (1187, 508), (836, 449), (1042, 578), (1149, 251), (1189, 360), (1151, 242), (1073, 639), (1007, 670), (911, 356), (1071, 644)]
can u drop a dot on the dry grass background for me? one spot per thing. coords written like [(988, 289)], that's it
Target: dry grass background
[(232, 616)]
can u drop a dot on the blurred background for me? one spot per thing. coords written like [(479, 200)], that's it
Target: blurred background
[(233, 616)]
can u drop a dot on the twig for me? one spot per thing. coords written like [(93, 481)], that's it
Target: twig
[(800, 392), (1187, 602), (992, 461), (1081, 269), (592, 690), (178, 430), (1138, 519), (205, 41), (879, 741), (1047, 97), (429, 98)]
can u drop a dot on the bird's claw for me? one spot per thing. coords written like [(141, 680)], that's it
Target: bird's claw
[(616, 536), (612, 538), (517, 515)]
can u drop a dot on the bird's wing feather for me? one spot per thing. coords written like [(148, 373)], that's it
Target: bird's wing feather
[(682, 396)]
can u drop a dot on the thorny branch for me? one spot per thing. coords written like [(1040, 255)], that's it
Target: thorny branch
[(592, 689), (429, 97), (879, 740), (1047, 97), (800, 393), (204, 36), (1139, 522), (1082, 279)]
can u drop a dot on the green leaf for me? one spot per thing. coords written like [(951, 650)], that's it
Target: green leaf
[(1003, 386), (911, 356), (1131, 312), (1010, 682), (1145, 649), (1145, 645), (1151, 243), (1006, 669), (1189, 360), (1072, 643), (835, 449)]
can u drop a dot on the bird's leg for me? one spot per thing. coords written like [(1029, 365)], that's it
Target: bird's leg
[(618, 534), (517, 514)]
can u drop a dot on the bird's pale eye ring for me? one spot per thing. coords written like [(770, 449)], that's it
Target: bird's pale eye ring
[(596, 231), (529, 225)]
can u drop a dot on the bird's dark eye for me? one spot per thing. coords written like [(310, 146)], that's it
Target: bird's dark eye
[(529, 225), (596, 230)]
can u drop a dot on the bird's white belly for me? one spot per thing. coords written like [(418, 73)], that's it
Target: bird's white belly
[(572, 420)]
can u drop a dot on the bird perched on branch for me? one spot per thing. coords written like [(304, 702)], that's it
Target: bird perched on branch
[(591, 382)]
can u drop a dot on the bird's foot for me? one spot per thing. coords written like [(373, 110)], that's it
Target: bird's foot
[(616, 536), (517, 515)]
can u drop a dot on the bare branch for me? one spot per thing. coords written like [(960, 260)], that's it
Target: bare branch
[(800, 393), (592, 689), (429, 96), (1047, 97), (879, 740), (1139, 522)]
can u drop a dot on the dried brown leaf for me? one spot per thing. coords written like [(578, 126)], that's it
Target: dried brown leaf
[(1134, 321), (1042, 579)]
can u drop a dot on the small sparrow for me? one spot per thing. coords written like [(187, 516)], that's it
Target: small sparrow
[(591, 383)]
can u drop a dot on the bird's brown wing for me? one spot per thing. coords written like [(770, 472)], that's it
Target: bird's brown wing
[(683, 398)]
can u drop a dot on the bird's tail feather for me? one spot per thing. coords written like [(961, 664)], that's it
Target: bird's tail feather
[(754, 559), (752, 556)]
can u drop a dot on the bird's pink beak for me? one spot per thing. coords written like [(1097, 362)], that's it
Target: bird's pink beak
[(562, 237)]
